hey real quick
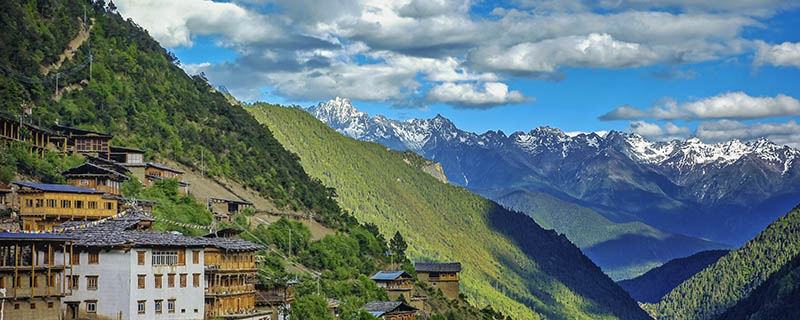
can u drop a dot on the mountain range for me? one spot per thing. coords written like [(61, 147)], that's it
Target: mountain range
[(724, 192)]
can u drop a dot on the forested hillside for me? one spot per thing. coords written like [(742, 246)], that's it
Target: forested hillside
[(653, 285), (510, 263), (778, 298), (733, 277), (138, 93), (623, 250)]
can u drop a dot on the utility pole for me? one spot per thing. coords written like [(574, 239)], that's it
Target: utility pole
[(290, 240), (202, 164)]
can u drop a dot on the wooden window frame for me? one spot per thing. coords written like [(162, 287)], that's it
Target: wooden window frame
[(195, 256), (171, 280), (141, 280), (196, 280), (89, 284), (158, 306), (94, 257), (89, 307), (140, 257), (171, 306), (183, 277), (159, 280), (141, 306)]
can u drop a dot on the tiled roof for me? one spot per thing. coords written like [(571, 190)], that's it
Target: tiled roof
[(56, 187), (125, 149), (163, 167), (231, 244), (379, 308), (389, 275), (120, 232), (92, 168), (78, 131), (437, 267)]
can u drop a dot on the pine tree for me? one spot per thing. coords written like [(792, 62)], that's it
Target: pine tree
[(398, 247)]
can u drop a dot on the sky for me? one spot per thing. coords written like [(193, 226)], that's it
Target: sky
[(716, 70)]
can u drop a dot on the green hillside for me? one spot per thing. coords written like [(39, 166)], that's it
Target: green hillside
[(622, 250), (138, 93), (653, 285), (733, 277), (778, 298), (510, 263)]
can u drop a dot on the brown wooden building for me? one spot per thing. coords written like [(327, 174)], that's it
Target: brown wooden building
[(230, 276), (18, 130), (440, 275), (397, 283), (45, 206), (94, 177), (277, 298), (154, 172), (85, 141), (32, 276), (226, 209), (391, 310), (125, 156)]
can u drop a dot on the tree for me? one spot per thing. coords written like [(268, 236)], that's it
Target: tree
[(311, 306), (398, 246)]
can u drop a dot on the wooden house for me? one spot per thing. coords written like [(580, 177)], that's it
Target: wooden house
[(154, 172), (230, 278), (397, 283), (94, 177), (126, 156), (85, 141), (225, 209), (33, 275), (108, 165), (16, 130), (391, 310), (44, 206), (6, 193), (276, 297), (443, 276)]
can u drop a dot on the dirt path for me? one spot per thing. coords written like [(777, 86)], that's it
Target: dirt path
[(73, 46)]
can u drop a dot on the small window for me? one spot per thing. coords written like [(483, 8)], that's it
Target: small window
[(66, 204), (140, 257), (94, 257), (171, 305), (182, 257), (84, 182), (159, 281), (75, 258), (171, 280), (141, 281), (183, 280), (91, 282), (195, 257), (109, 205), (39, 203), (76, 281), (29, 203), (16, 306), (158, 306), (196, 280), (140, 306), (91, 307), (33, 305), (51, 203), (50, 305), (92, 204)]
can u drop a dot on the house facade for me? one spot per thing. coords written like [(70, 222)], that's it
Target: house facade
[(154, 172), (230, 277), (32, 275), (391, 310), (397, 283), (85, 141), (94, 177), (123, 270), (45, 206), (442, 276)]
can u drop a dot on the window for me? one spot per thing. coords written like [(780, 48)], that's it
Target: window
[(16, 306), (171, 280), (75, 258), (140, 257), (195, 256), (182, 257), (39, 203), (52, 282), (78, 204), (2, 282), (29, 203), (50, 305), (84, 182), (76, 281), (109, 205), (158, 306), (92, 204), (33, 305), (183, 280), (94, 257), (66, 204), (140, 306), (51, 203), (196, 280), (91, 282), (141, 281), (171, 305), (91, 306), (159, 281), (161, 258)]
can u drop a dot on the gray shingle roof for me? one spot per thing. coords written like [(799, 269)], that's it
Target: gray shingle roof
[(379, 308), (437, 267), (231, 244), (121, 232)]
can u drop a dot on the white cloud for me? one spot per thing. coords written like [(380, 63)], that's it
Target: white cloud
[(782, 133), (471, 96), (784, 54), (655, 131), (731, 105)]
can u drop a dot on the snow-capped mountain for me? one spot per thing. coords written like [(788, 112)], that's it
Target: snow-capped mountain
[(682, 185)]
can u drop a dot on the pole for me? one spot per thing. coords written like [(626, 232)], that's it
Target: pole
[(56, 84), (3, 305)]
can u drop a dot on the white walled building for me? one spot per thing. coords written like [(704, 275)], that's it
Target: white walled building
[(123, 270)]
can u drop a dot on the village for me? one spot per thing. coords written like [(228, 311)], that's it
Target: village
[(82, 250)]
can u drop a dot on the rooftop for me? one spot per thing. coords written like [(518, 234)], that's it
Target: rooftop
[(437, 267), (163, 167), (389, 275), (231, 244), (125, 149), (78, 131), (379, 308), (19, 236), (122, 233), (90, 168), (56, 187)]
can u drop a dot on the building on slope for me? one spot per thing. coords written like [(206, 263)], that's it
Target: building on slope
[(32, 275), (91, 176), (230, 277), (154, 172), (226, 209), (130, 157), (443, 276), (45, 206), (85, 142), (121, 269), (391, 310), (397, 283), (39, 139)]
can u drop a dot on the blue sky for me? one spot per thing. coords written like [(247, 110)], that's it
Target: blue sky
[(717, 70)]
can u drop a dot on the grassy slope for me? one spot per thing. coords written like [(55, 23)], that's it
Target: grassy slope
[(653, 285), (509, 262), (720, 286), (623, 250)]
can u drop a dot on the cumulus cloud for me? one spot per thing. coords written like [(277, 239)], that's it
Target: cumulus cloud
[(655, 131), (782, 133), (471, 96), (731, 105), (672, 74), (784, 54)]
